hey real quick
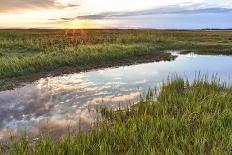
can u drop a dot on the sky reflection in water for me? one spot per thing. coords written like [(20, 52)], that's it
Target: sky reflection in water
[(53, 103)]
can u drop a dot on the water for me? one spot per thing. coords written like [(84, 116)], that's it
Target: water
[(54, 103)]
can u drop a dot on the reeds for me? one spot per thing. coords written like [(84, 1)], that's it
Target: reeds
[(83, 55), (187, 118)]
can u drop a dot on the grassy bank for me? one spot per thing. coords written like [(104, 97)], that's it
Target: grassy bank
[(74, 59), (26, 55), (186, 119)]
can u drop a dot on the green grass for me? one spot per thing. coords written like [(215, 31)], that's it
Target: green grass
[(72, 56), (187, 118), (29, 52)]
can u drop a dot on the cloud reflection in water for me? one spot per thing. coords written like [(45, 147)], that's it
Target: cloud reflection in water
[(54, 103)]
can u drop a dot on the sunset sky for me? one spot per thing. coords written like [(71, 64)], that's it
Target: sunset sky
[(181, 14)]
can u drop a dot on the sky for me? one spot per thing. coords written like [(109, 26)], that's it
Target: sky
[(165, 14)]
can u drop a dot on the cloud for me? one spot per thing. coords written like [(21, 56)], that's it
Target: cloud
[(172, 9), (118, 99), (24, 5)]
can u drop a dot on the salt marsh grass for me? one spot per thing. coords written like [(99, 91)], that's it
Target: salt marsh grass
[(186, 118), (29, 52)]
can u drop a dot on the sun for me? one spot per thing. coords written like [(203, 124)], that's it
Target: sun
[(77, 24), (87, 24)]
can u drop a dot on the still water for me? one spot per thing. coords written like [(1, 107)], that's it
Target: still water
[(54, 103)]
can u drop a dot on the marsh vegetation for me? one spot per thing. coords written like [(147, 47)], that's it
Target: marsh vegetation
[(184, 118), (26, 55), (181, 117)]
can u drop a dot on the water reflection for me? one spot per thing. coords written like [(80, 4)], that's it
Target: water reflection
[(53, 103)]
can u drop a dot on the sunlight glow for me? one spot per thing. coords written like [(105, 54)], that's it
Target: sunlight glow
[(87, 24), (111, 14)]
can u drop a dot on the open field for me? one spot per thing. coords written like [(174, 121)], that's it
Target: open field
[(187, 118), (26, 55)]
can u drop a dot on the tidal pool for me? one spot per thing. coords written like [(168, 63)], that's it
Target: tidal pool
[(54, 103)]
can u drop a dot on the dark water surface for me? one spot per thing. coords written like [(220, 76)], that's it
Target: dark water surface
[(53, 103)]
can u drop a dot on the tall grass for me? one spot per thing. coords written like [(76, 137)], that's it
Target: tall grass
[(186, 118), (88, 55)]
